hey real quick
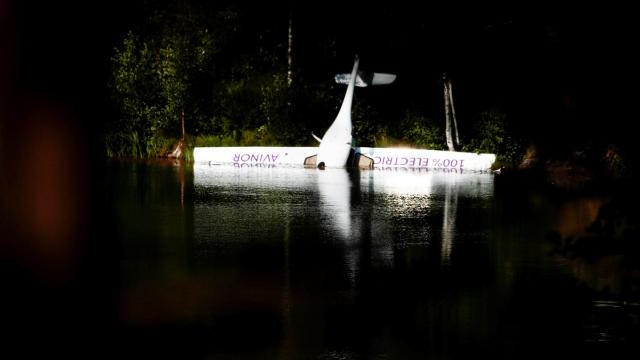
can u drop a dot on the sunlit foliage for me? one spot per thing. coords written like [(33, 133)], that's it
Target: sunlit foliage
[(423, 132), (492, 134)]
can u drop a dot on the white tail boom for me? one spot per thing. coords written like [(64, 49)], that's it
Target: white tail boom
[(335, 145)]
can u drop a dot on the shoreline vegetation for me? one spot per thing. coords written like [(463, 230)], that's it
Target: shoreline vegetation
[(582, 168)]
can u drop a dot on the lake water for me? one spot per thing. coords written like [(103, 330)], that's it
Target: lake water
[(228, 262)]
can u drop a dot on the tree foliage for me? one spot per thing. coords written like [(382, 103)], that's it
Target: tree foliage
[(423, 132), (492, 134), (225, 69), (204, 64), (137, 96)]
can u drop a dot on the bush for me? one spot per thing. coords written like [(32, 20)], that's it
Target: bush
[(422, 131), (492, 135)]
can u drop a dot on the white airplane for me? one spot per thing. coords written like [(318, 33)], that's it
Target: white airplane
[(336, 150)]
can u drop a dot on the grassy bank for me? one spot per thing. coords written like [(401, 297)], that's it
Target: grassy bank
[(136, 147)]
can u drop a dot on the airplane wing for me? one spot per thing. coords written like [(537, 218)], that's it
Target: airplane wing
[(254, 155), (422, 158), (382, 79), (378, 157)]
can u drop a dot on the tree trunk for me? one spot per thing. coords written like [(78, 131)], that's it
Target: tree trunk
[(182, 124), (453, 113), (289, 51), (447, 116), (176, 153)]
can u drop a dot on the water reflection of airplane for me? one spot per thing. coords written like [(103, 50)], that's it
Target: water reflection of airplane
[(334, 188), (336, 148), (361, 213)]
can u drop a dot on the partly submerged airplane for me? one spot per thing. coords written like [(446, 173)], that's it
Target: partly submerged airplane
[(336, 149)]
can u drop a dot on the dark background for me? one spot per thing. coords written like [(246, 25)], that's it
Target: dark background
[(563, 69), (567, 72)]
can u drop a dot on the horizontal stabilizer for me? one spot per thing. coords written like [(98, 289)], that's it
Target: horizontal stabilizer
[(365, 79), (382, 79), (345, 78)]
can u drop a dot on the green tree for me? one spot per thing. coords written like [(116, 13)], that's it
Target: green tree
[(137, 95), (165, 79), (182, 59), (224, 71)]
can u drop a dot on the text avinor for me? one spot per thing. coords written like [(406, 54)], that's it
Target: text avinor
[(255, 158)]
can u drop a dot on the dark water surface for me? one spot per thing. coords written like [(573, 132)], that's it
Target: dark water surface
[(223, 262)]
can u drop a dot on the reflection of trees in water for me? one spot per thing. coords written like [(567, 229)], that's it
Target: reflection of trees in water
[(358, 262), (448, 221)]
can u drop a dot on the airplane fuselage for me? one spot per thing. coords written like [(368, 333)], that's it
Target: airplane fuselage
[(336, 143)]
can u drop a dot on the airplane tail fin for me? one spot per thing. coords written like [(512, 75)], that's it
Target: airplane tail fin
[(366, 79)]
